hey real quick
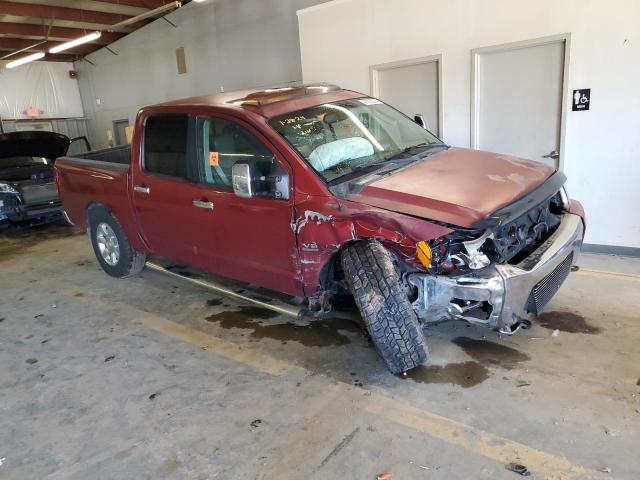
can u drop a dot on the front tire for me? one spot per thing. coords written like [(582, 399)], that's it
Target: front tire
[(112, 248), (383, 303)]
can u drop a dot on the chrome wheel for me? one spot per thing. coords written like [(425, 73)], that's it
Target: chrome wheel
[(108, 244)]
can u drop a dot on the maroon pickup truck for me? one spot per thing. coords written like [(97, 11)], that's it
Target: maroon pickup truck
[(318, 192)]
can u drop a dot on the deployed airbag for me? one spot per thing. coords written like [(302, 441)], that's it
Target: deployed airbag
[(329, 154)]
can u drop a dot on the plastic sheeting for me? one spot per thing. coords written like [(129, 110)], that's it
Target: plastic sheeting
[(45, 86)]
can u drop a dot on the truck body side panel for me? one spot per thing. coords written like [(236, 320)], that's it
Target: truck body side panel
[(85, 182)]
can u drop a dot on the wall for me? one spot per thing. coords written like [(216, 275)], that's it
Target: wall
[(341, 39), (229, 44), (43, 85)]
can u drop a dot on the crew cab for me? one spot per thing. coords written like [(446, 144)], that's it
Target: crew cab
[(316, 192)]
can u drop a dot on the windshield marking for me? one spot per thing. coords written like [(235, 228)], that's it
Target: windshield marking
[(344, 140), (358, 124)]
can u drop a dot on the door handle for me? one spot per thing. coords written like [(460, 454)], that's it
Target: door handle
[(142, 189), (203, 204), (553, 154)]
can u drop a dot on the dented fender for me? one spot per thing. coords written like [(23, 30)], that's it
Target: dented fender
[(325, 225)]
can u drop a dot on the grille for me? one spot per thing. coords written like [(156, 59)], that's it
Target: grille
[(515, 240), (548, 286)]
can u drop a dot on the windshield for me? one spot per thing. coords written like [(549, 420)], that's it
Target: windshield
[(11, 162), (340, 138)]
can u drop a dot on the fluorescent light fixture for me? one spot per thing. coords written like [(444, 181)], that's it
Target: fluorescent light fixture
[(74, 43), (27, 59)]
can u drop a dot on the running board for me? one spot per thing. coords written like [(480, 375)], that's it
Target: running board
[(282, 308)]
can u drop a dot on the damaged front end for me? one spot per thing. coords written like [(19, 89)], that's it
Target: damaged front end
[(501, 276), (29, 202)]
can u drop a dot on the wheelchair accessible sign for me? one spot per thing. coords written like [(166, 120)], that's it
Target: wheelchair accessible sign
[(581, 99)]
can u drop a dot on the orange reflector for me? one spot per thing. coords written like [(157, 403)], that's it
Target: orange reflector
[(423, 252)]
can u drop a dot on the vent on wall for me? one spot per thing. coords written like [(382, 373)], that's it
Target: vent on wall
[(181, 60)]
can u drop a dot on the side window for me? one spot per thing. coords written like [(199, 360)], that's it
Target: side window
[(165, 145), (222, 143)]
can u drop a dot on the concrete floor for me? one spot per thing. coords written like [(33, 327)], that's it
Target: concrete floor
[(153, 378)]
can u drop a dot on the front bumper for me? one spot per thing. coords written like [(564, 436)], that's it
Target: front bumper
[(26, 213), (31, 202), (502, 297)]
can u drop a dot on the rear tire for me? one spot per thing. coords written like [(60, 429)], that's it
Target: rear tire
[(112, 248), (384, 305)]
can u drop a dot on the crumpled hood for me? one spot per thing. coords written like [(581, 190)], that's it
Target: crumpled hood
[(456, 186), (33, 144)]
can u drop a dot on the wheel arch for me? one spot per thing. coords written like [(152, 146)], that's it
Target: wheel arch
[(331, 273), (123, 218)]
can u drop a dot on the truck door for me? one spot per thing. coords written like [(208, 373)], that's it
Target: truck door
[(249, 239), (165, 186)]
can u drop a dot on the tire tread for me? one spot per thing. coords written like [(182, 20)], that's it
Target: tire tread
[(384, 305)]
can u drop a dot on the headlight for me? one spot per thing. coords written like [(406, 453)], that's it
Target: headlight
[(6, 188), (457, 252), (565, 198)]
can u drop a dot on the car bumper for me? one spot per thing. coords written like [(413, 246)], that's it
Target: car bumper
[(505, 296), (27, 213), (31, 202)]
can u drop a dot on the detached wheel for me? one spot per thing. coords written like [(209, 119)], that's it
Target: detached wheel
[(111, 246), (384, 305)]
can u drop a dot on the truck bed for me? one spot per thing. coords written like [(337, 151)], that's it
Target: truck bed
[(120, 155), (96, 177)]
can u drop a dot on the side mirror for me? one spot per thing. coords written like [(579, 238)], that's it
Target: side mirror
[(242, 180), (248, 182), (420, 120)]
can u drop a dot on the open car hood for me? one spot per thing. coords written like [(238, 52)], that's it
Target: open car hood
[(33, 144), (456, 186)]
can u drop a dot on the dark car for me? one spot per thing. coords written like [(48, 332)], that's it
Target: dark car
[(27, 190)]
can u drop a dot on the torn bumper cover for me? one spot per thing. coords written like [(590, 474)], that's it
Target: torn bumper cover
[(503, 296)]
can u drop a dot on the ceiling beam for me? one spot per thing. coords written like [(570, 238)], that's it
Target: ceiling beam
[(150, 4), (61, 57), (30, 30), (19, 43), (60, 13)]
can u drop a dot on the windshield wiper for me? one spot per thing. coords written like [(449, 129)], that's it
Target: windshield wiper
[(391, 163), (376, 168), (423, 146)]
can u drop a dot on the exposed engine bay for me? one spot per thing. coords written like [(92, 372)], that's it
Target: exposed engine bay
[(510, 242), (27, 189)]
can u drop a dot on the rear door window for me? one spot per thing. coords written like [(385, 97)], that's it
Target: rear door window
[(165, 145)]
